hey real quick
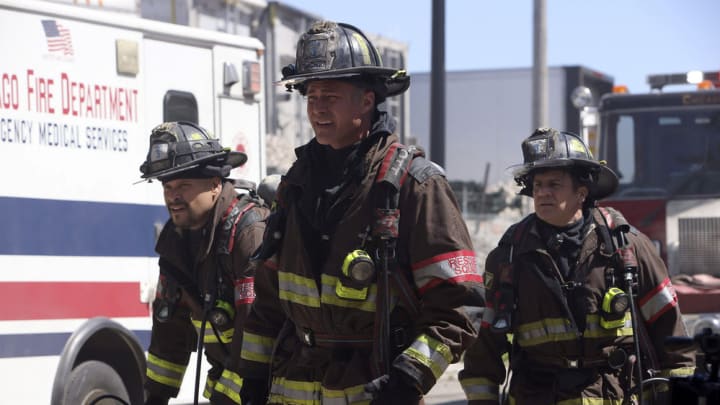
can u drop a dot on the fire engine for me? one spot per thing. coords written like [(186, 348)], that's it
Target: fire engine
[(665, 147), (80, 90)]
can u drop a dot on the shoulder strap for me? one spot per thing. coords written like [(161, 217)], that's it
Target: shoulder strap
[(393, 172), (235, 220), (396, 165), (504, 301)]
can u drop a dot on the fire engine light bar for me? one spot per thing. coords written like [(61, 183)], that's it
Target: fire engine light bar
[(694, 76), (657, 82)]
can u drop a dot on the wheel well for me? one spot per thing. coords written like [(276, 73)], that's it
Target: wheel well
[(109, 342)]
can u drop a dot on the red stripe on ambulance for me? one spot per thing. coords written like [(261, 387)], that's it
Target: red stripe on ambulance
[(68, 300)]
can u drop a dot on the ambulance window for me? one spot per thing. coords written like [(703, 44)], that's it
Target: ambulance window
[(180, 106)]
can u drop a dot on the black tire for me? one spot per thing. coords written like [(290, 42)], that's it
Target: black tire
[(92, 379)]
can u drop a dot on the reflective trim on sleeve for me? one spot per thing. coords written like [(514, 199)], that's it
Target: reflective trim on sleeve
[(329, 296), (544, 331), (209, 387), (431, 353), (210, 337), (480, 389), (257, 348), (658, 301), (297, 289), (244, 291), (229, 385), (454, 267), (165, 372)]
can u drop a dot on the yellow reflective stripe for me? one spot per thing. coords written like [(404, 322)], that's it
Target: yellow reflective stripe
[(298, 289), (544, 331), (256, 348), (284, 391), (590, 401), (210, 337), (330, 297), (313, 393), (355, 395), (164, 372), (581, 401), (677, 372), (430, 352), (593, 329), (209, 386), (229, 385), (479, 389)]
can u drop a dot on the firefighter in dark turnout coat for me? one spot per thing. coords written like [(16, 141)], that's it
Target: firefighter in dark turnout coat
[(554, 280), (206, 284), (356, 200)]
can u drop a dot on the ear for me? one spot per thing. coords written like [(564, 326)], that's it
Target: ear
[(368, 101), (216, 184), (582, 193)]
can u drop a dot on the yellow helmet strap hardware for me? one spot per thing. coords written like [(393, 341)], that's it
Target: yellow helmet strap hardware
[(358, 271)]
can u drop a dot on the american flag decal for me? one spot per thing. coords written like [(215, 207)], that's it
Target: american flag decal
[(58, 38)]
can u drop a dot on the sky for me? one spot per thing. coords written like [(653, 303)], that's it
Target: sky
[(625, 39)]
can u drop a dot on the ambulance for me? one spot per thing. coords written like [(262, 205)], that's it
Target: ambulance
[(80, 91)]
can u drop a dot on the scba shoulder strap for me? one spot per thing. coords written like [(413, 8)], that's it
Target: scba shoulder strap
[(237, 217)]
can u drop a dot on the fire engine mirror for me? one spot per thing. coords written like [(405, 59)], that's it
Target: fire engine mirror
[(126, 54)]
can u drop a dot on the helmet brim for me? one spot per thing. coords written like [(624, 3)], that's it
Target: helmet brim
[(232, 158), (396, 84), (605, 185)]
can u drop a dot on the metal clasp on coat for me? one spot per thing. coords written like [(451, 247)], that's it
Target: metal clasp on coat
[(308, 337), (571, 285)]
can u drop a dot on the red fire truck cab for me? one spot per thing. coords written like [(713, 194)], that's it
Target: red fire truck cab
[(665, 147)]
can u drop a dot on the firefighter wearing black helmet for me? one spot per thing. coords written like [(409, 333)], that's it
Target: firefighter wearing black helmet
[(363, 228), (205, 286), (558, 286)]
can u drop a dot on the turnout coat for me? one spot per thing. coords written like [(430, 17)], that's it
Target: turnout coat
[(560, 353), (191, 270), (318, 344)]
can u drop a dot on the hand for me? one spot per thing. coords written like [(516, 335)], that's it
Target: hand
[(394, 389), (155, 400), (254, 391)]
